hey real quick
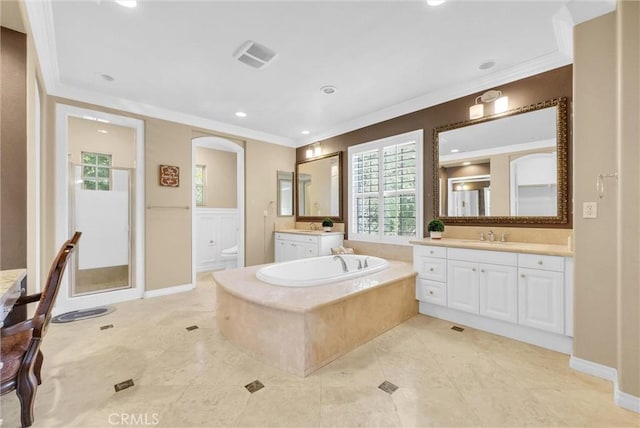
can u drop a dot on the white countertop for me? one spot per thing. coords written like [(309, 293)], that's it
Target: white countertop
[(515, 247), (308, 232)]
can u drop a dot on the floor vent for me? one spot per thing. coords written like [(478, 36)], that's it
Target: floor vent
[(254, 386), (192, 327), (254, 54), (123, 385), (388, 387), (456, 328)]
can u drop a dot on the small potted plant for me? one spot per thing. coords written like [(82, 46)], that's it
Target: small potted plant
[(435, 228), (327, 224)]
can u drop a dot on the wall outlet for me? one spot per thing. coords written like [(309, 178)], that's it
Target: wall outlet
[(589, 210)]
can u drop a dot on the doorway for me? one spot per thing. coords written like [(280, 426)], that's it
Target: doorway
[(99, 189), (218, 202)]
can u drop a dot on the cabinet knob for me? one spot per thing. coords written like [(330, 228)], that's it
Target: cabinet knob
[(521, 275), (473, 269), (431, 252), (539, 262), (481, 270), (431, 292), (430, 269)]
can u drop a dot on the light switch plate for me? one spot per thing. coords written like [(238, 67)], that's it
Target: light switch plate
[(589, 210)]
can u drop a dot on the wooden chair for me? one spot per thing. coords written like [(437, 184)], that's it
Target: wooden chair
[(21, 354)]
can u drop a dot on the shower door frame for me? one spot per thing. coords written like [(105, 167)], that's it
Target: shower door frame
[(66, 301)]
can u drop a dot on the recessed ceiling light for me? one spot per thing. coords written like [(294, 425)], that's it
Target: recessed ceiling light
[(487, 65), (241, 114), (305, 132), (127, 3), (435, 2), (466, 163), (328, 89), (103, 131), (455, 150)]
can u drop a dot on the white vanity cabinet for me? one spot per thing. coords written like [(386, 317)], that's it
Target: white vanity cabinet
[(293, 246), (515, 294), (541, 292)]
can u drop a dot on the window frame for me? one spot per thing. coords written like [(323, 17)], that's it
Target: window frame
[(203, 185), (95, 178), (380, 145)]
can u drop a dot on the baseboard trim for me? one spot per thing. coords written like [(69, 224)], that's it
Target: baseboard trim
[(620, 398), (167, 291), (593, 369)]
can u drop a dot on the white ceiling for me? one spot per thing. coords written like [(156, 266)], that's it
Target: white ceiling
[(173, 59)]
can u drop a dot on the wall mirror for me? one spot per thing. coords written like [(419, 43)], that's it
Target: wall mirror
[(319, 187), (285, 193), (510, 168)]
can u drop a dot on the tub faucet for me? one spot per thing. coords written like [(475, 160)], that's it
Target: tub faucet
[(359, 264), (366, 263), (344, 264), (491, 237)]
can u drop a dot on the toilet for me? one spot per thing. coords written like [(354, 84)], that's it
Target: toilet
[(229, 257)]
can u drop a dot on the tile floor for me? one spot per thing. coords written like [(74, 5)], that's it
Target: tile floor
[(195, 378)]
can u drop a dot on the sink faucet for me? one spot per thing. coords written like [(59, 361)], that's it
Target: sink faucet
[(312, 226), (482, 236), (503, 238), (491, 237), (344, 264)]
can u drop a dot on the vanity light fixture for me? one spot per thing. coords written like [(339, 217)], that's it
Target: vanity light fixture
[(313, 150), (501, 103)]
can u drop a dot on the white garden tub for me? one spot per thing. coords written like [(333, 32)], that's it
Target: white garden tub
[(320, 270)]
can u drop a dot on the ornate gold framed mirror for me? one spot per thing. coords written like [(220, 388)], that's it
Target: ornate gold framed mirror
[(509, 169)]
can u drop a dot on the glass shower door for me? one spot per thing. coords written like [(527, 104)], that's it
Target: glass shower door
[(102, 212)]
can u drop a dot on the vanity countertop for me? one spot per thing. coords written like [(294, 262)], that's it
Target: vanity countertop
[(308, 232), (514, 247)]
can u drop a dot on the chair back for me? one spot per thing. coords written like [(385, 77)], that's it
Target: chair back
[(52, 287)]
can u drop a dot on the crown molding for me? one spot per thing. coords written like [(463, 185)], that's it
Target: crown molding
[(526, 69)]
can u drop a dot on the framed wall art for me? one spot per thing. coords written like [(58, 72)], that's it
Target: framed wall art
[(169, 176)]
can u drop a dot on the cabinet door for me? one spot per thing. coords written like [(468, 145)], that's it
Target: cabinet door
[(304, 250), (499, 292), (541, 299), (462, 293), (280, 250)]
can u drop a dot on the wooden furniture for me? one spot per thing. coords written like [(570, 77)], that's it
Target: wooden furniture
[(293, 244), (21, 354), (504, 290)]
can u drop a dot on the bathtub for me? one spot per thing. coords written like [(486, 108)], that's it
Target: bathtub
[(320, 270), (300, 329)]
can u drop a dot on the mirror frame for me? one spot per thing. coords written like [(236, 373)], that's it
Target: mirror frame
[(562, 142), (337, 218)]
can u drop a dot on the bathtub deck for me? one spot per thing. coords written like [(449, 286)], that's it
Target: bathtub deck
[(300, 330)]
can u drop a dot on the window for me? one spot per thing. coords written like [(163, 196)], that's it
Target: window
[(200, 180), (385, 196), (96, 171)]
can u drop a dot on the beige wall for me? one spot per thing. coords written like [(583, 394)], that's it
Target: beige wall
[(261, 164), (607, 256), (13, 150), (119, 141), (221, 187)]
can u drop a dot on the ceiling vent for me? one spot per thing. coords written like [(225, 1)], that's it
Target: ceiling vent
[(254, 54)]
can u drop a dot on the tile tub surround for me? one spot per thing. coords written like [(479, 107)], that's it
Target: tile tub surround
[(300, 330)]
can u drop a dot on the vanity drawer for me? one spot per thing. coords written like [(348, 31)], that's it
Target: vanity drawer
[(296, 238), (483, 256), (431, 291), (430, 268), (536, 261), (430, 251)]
